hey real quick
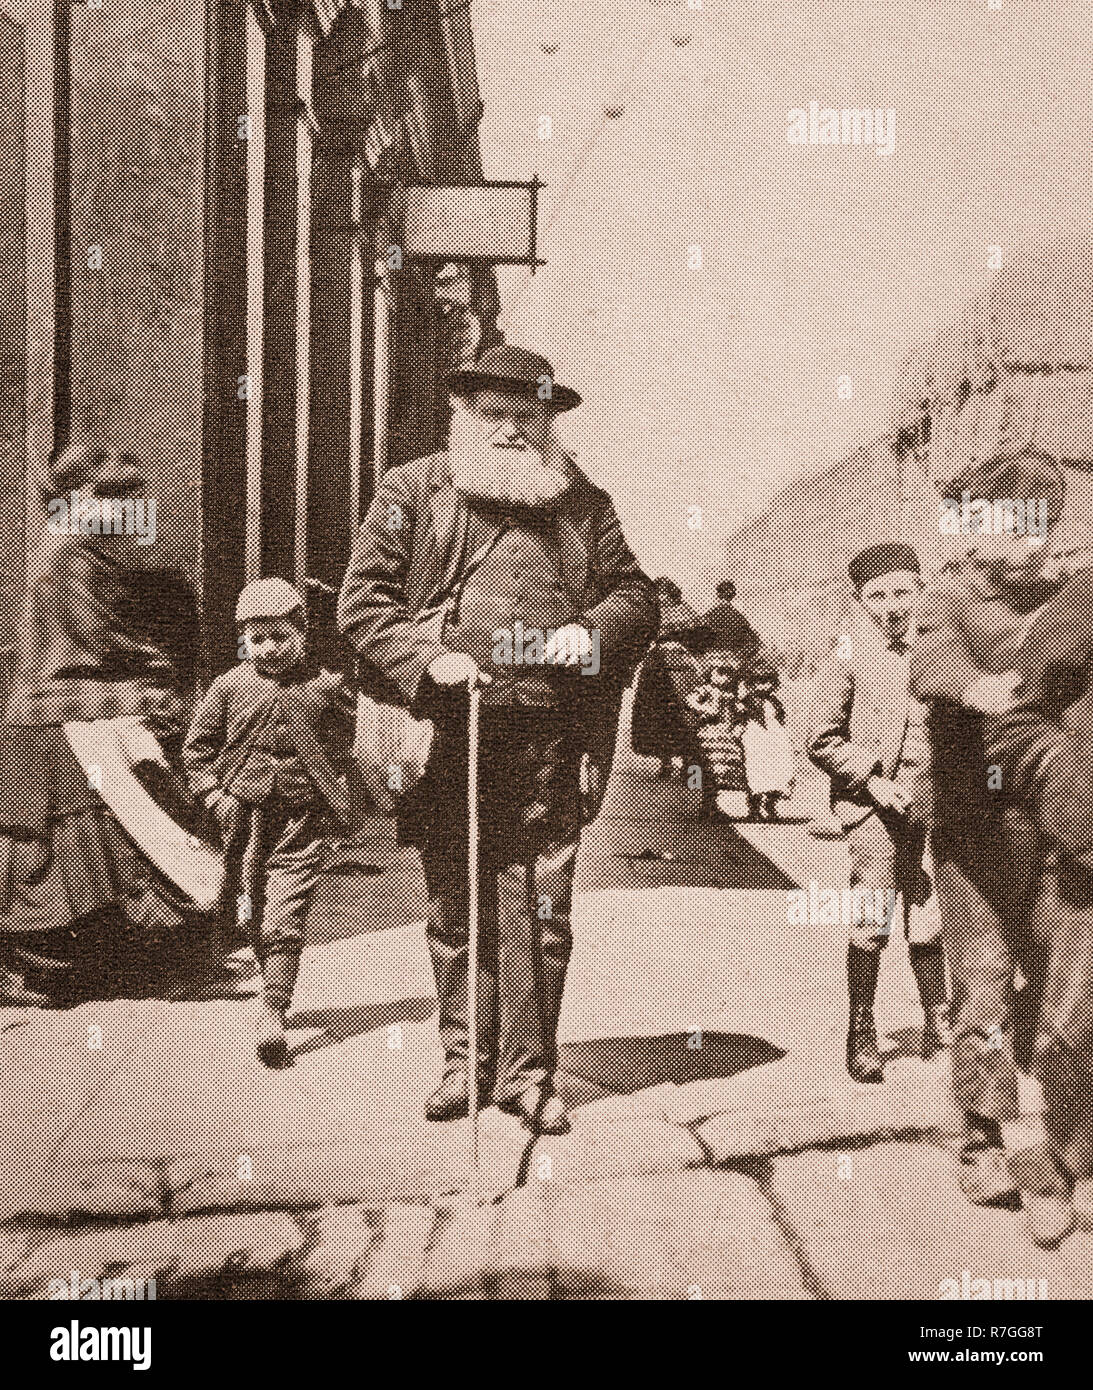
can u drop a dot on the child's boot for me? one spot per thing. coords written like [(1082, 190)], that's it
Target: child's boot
[(272, 1042), (279, 970), (863, 1059)]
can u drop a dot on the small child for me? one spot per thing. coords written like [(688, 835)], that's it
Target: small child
[(768, 754), (715, 701), (265, 752)]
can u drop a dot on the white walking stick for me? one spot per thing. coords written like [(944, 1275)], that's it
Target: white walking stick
[(472, 926)]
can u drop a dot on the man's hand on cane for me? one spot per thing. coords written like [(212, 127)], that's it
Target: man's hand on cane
[(456, 668), (570, 646)]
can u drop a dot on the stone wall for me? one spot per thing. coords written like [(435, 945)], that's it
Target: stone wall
[(137, 199)]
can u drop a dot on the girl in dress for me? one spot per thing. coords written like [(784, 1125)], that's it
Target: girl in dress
[(768, 754)]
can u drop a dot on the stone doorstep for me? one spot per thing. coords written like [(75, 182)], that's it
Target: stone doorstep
[(224, 1226), (687, 1234), (739, 1135), (307, 1222), (914, 1099)]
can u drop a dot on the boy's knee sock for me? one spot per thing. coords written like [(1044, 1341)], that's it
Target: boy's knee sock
[(279, 972), (928, 963), (862, 969)]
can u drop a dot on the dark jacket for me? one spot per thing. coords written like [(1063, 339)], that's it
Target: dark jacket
[(680, 623), (224, 747), (410, 557), (407, 562), (663, 724), (968, 629), (93, 641), (1044, 745)]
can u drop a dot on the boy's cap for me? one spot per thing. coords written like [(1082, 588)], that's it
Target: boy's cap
[(886, 558), (268, 598)]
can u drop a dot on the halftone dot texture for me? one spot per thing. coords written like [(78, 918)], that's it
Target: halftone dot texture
[(735, 311)]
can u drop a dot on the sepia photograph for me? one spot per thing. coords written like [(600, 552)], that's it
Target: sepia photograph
[(546, 666)]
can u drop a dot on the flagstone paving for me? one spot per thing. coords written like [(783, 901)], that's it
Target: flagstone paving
[(717, 1150)]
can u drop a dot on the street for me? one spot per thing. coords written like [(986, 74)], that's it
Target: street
[(718, 1148)]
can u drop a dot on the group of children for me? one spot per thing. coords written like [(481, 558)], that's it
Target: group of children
[(742, 731), (953, 725)]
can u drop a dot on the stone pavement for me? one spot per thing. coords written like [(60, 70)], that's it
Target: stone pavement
[(718, 1149)]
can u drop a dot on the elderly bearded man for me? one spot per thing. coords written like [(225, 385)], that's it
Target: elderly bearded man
[(463, 556)]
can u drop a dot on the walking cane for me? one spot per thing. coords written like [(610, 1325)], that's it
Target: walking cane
[(472, 926)]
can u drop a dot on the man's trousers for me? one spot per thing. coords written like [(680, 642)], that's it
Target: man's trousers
[(525, 941), (1007, 909), (985, 878)]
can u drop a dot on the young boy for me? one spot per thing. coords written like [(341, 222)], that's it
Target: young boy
[(994, 882), (870, 737), (265, 751)]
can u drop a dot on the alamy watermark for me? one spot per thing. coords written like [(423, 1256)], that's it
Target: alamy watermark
[(999, 516), (90, 1289), (80, 515), (526, 646), (1002, 1289), (849, 125), (821, 907)]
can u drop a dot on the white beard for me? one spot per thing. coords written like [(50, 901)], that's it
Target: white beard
[(511, 477)]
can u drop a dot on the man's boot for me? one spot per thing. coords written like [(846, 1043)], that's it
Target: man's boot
[(451, 1099), (863, 1060), (928, 963), (14, 990), (1046, 1191), (552, 1117)]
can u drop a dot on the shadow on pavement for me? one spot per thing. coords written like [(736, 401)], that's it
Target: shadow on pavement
[(339, 1025), (601, 1067)]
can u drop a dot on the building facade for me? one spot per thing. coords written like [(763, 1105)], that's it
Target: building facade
[(202, 265)]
